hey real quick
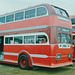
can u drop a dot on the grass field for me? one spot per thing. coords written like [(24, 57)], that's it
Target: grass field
[(15, 70)]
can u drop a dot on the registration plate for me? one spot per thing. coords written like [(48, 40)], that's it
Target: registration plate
[(64, 45)]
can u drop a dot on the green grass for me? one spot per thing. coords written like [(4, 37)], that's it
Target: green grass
[(15, 70)]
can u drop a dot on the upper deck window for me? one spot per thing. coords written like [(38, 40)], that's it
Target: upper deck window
[(57, 11), (73, 39), (73, 20), (64, 13), (2, 20), (10, 18), (19, 16), (29, 13), (41, 11), (24, 14), (61, 12)]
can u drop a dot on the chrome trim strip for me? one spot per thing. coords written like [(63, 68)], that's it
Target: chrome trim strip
[(15, 54), (38, 55), (31, 55), (21, 29), (34, 55)]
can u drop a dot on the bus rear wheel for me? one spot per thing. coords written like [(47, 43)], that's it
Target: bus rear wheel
[(23, 62)]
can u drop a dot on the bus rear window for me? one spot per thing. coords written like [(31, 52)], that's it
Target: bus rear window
[(64, 38), (73, 20), (69, 38), (58, 38)]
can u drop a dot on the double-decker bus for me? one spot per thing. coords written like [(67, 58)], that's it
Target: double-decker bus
[(36, 36), (73, 34)]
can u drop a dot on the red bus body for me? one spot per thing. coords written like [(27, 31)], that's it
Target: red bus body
[(73, 34), (38, 54)]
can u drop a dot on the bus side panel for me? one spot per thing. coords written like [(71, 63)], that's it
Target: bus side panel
[(39, 53), (11, 58), (73, 52), (47, 20)]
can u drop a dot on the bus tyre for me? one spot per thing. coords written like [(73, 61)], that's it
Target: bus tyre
[(23, 62)]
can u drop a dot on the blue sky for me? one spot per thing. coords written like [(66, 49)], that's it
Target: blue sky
[(7, 6)]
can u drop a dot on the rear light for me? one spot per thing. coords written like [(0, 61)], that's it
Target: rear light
[(58, 57)]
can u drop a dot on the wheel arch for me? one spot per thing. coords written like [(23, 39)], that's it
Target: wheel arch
[(28, 55)]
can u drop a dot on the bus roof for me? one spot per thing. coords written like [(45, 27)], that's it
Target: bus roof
[(72, 16), (50, 9)]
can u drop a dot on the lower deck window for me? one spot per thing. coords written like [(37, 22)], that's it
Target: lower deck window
[(29, 39), (9, 40), (18, 40), (41, 39)]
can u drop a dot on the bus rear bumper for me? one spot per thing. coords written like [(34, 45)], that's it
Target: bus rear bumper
[(61, 64)]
